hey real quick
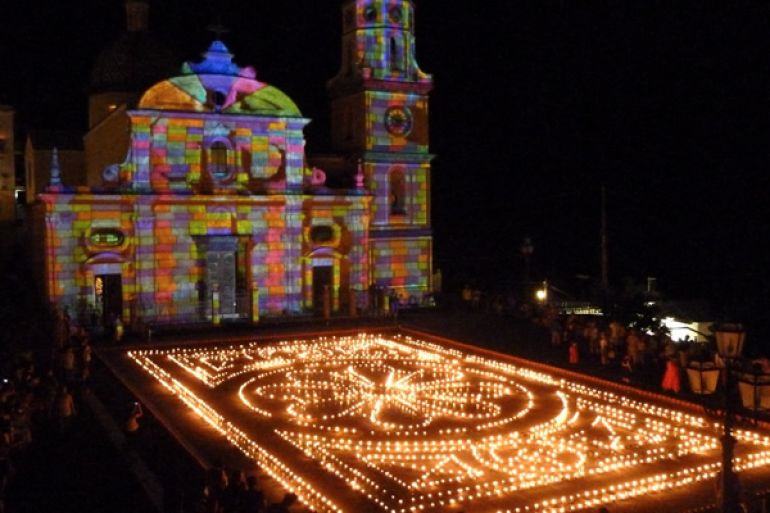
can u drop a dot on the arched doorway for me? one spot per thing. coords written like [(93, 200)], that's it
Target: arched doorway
[(322, 277)]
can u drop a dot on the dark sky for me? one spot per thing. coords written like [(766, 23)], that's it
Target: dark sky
[(537, 104)]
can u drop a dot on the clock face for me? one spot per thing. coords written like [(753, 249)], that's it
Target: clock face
[(111, 173), (398, 120)]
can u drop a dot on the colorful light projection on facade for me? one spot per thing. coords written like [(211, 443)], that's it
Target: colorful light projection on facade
[(368, 423), (214, 201)]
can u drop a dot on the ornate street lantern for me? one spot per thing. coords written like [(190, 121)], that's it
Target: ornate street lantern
[(730, 338)]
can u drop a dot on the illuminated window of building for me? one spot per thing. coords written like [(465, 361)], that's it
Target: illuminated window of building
[(106, 237), (218, 161), (370, 13), (397, 186), (321, 234)]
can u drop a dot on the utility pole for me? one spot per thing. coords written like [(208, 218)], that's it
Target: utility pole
[(605, 274)]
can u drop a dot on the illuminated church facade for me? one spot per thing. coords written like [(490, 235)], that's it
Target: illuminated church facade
[(214, 211)]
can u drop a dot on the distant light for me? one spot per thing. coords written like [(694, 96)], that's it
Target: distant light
[(541, 295)]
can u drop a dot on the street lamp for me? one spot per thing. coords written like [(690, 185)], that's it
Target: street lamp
[(526, 250), (729, 338)]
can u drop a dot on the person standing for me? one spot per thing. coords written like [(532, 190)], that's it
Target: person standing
[(573, 352), (253, 499), (118, 329), (557, 331), (67, 365), (132, 422), (604, 348), (591, 334), (284, 505), (671, 380), (394, 304), (65, 409), (632, 348)]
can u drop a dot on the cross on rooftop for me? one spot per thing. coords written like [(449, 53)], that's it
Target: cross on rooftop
[(218, 28)]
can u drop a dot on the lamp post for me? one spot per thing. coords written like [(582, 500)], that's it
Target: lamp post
[(729, 338), (526, 250)]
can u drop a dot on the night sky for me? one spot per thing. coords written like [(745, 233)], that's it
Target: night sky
[(537, 104)]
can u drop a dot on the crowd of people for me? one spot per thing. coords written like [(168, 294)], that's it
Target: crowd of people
[(639, 355), (38, 396), (41, 395), (237, 493), (642, 356)]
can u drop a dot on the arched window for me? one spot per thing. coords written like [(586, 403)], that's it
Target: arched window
[(218, 167), (395, 55), (397, 186)]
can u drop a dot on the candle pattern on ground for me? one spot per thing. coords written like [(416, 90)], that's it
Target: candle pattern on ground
[(399, 424)]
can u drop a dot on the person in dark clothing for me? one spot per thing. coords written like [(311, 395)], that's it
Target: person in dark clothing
[(233, 494), (216, 482), (6, 472), (253, 498), (284, 505)]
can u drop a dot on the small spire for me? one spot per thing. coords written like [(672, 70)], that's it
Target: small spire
[(55, 168), (137, 15), (360, 175)]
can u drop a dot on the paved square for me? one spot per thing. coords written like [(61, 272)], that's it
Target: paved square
[(396, 424)]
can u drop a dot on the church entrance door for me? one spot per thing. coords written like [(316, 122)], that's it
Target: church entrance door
[(109, 295), (323, 280), (221, 272)]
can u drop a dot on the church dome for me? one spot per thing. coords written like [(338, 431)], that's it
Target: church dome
[(133, 62), (136, 59), (217, 84)]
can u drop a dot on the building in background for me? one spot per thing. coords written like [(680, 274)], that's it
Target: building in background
[(39, 158), (7, 169), (207, 207)]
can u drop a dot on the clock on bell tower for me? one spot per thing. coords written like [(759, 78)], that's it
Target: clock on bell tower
[(380, 117)]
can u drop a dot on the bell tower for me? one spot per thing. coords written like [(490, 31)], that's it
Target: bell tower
[(379, 115)]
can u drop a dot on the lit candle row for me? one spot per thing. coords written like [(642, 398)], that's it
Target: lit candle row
[(372, 411)]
